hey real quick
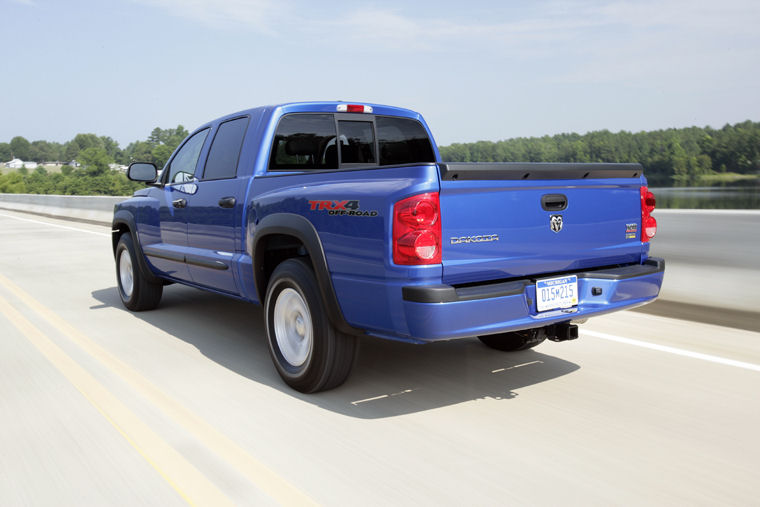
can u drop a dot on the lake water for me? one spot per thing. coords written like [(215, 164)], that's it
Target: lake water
[(747, 197)]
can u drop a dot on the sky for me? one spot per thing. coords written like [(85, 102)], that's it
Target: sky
[(476, 70)]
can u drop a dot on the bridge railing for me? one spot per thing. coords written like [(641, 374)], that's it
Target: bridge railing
[(97, 209)]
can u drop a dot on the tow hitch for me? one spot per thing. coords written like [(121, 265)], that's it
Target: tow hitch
[(562, 332)]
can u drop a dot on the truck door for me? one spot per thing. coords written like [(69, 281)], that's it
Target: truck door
[(214, 211), (169, 254)]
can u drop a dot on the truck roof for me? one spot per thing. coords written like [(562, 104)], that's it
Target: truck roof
[(319, 107)]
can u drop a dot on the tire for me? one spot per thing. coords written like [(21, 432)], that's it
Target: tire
[(136, 292), (309, 353), (514, 341)]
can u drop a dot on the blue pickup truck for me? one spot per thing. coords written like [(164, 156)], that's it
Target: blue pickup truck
[(342, 221)]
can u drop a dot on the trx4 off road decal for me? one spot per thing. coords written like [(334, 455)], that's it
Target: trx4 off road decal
[(341, 208)]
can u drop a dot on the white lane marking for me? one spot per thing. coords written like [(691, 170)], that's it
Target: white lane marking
[(516, 366), (381, 397), (674, 350), (55, 225)]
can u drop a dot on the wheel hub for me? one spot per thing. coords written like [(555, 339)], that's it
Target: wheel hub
[(292, 327), (126, 275)]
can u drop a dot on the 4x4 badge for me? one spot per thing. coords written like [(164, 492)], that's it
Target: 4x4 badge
[(555, 223)]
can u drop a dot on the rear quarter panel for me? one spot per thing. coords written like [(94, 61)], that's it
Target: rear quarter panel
[(357, 247)]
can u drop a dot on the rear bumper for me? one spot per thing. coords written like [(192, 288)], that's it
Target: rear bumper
[(441, 312)]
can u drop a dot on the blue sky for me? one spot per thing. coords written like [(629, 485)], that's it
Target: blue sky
[(476, 70)]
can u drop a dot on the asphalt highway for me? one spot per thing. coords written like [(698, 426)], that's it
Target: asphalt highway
[(100, 406)]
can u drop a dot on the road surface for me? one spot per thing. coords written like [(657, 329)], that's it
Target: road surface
[(100, 406)]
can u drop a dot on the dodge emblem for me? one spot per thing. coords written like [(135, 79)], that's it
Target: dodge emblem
[(555, 222)]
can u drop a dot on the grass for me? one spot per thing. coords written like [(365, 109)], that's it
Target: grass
[(718, 178), (50, 168)]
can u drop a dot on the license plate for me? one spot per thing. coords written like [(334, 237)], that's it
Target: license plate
[(554, 293)]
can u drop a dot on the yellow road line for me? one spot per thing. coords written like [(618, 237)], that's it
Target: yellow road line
[(183, 477), (254, 470)]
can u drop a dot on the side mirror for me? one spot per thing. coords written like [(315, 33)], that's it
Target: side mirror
[(142, 171)]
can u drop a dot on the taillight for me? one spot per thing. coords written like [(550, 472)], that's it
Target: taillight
[(417, 230), (648, 223)]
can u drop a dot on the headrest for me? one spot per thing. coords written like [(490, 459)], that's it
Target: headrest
[(301, 145)]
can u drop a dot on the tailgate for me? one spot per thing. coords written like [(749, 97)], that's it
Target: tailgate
[(520, 220)]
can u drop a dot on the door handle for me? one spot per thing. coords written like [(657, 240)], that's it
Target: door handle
[(227, 202), (179, 203), (554, 202)]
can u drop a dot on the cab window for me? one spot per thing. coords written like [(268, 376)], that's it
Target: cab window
[(304, 141), (225, 150), (402, 141), (357, 142), (182, 168)]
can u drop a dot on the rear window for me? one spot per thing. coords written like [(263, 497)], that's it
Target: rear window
[(301, 142), (357, 142), (308, 141), (402, 141)]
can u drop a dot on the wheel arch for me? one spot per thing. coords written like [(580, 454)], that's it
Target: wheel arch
[(287, 229), (124, 223)]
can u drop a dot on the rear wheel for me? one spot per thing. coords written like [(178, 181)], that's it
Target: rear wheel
[(309, 353), (516, 340), (136, 292)]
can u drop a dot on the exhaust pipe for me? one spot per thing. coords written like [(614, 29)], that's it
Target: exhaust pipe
[(562, 332)]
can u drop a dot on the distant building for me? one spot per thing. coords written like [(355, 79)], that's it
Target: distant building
[(17, 163)]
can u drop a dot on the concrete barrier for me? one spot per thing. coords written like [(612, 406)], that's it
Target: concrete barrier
[(95, 209), (710, 254)]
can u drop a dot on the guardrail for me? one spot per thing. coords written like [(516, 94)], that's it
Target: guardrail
[(711, 255), (87, 208)]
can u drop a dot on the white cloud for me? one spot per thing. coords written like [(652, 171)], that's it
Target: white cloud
[(597, 39), (675, 44), (259, 15)]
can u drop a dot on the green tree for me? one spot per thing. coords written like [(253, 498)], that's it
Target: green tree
[(5, 152), (80, 143), (157, 148), (111, 147), (12, 183), (70, 151), (169, 137), (20, 148), (43, 151), (37, 182), (161, 154), (139, 151), (94, 161)]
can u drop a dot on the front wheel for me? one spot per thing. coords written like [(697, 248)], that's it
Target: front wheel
[(309, 353), (136, 292), (516, 340)]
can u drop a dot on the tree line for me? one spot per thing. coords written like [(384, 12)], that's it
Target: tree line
[(672, 157), (156, 148), (91, 174)]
